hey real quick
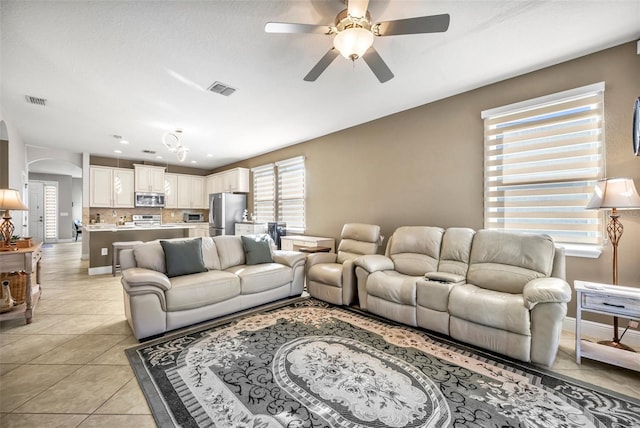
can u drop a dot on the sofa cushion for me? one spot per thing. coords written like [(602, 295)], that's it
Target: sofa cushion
[(210, 254), (507, 261), (326, 273), (149, 255), (201, 289), (230, 251), (183, 257), (257, 278), (490, 308), (456, 250), (357, 239), (415, 250), (393, 287), (256, 250)]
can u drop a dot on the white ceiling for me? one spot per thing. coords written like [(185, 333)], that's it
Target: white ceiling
[(141, 68)]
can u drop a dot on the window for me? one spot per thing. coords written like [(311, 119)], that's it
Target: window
[(291, 193), (542, 159), (50, 212), (287, 199), (264, 194)]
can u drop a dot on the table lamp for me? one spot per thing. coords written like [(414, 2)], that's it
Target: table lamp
[(9, 200), (615, 193)]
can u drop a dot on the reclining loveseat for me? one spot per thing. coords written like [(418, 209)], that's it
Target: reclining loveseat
[(501, 291)]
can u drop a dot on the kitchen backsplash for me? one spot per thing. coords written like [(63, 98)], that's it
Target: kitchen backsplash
[(113, 215)]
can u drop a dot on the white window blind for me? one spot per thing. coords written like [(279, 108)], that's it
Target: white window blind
[(264, 193), (291, 183), (50, 213), (542, 159)]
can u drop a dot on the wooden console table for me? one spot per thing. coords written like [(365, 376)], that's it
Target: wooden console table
[(28, 261), (613, 300)]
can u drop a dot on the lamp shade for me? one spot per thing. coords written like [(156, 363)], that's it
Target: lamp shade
[(353, 42), (10, 200), (619, 193)]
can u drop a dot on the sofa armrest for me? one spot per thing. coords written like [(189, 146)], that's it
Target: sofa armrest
[(136, 277), (374, 262), (289, 258), (546, 290), (317, 258), (445, 277)]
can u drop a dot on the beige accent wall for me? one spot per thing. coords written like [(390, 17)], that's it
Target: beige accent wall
[(424, 166)]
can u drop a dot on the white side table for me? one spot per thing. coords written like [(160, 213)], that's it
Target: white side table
[(294, 242), (613, 300)]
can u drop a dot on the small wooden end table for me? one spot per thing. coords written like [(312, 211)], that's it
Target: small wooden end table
[(605, 299)]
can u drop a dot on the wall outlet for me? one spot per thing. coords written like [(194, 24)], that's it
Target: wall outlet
[(104, 251), (633, 324), (172, 215)]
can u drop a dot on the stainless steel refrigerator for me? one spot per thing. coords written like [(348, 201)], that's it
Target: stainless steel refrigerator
[(225, 210)]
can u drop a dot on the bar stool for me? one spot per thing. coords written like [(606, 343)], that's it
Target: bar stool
[(115, 251)]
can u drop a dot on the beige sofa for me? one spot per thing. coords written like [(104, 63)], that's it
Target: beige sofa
[(156, 303), (501, 291)]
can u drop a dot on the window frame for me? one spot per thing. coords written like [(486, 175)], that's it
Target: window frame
[(509, 129)]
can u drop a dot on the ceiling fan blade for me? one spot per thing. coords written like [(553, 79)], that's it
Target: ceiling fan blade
[(286, 27), (421, 24), (324, 62), (377, 65), (357, 8)]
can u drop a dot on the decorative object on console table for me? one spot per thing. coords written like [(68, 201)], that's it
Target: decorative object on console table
[(615, 193), (9, 200)]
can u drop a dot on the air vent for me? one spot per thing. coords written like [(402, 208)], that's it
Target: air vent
[(36, 100), (221, 88), (149, 152)]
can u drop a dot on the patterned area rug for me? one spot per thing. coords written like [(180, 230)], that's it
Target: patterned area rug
[(312, 365)]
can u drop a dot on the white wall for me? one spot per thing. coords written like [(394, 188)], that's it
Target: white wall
[(17, 174)]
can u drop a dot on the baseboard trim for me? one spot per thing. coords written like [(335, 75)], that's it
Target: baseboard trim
[(100, 270), (601, 331)]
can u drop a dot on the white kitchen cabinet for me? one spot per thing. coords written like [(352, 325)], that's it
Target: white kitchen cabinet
[(149, 178), (199, 230), (250, 228), (197, 193), (236, 180), (170, 190), (100, 186), (123, 184), (233, 180), (190, 191), (111, 187)]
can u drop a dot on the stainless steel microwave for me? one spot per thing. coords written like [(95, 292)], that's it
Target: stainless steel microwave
[(193, 218), (144, 199)]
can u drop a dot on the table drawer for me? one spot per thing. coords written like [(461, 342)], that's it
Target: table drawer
[(617, 304)]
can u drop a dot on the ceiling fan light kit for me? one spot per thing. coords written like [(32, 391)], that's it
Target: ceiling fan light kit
[(353, 42), (354, 35)]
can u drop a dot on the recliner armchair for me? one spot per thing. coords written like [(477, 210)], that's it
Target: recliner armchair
[(331, 277)]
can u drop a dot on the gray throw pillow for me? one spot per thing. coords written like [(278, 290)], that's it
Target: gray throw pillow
[(256, 250), (183, 257)]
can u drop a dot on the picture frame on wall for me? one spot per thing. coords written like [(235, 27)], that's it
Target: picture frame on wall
[(636, 127)]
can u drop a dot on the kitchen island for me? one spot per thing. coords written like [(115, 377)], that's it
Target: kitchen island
[(98, 240)]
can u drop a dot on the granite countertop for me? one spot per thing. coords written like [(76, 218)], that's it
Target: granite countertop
[(112, 227)]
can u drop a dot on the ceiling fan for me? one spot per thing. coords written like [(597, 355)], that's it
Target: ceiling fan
[(354, 33)]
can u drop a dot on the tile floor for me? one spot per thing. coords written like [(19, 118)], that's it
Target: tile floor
[(68, 368)]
